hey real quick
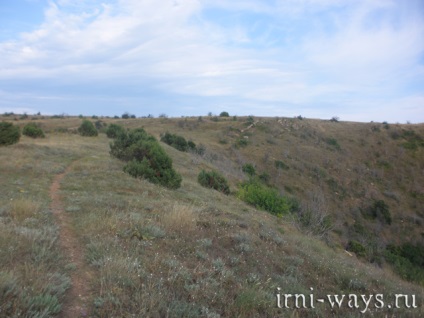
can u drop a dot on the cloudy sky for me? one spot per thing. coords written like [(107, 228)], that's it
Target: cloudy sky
[(358, 60)]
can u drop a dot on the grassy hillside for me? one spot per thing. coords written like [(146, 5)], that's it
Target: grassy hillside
[(195, 252)]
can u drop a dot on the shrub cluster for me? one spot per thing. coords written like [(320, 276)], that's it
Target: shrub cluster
[(264, 197), (178, 142), (9, 134), (114, 130), (145, 158), (87, 129), (214, 180), (32, 130)]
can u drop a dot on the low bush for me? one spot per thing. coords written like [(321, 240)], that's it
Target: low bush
[(87, 129), (224, 114), (357, 248), (32, 130), (114, 130), (214, 180), (333, 142), (145, 158), (263, 197), (9, 134)]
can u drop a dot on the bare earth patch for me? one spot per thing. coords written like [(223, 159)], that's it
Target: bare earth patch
[(76, 303)]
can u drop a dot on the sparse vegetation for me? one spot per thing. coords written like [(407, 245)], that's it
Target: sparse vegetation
[(9, 134), (281, 165), (333, 142)]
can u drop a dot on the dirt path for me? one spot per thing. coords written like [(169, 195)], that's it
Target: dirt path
[(76, 303)]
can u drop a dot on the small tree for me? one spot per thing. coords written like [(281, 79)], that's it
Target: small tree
[(9, 134), (224, 114), (87, 129), (32, 130)]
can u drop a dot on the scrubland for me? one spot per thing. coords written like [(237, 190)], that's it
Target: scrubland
[(197, 252)]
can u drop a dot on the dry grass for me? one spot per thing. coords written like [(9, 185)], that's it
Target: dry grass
[(180, 218), (21, 209)]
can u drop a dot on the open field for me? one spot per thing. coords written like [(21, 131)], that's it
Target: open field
[(195, 252)]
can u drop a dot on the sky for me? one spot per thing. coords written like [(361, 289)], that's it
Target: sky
[(359, 60)]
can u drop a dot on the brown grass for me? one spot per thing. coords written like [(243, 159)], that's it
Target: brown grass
[(180, 218), (23, 208)]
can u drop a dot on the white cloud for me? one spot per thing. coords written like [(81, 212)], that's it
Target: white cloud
[(173, 48)]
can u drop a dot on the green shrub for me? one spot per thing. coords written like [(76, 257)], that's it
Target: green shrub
[(407, 261), (214, 180), (145, 157), (114, 130), (178, 142), (156, 170), (224, 114), (9, 134), (263, 197), (249, 169), (87, 129), (32, 130), (357, 248)]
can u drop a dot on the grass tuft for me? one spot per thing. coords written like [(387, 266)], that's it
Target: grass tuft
[(22, 209)]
